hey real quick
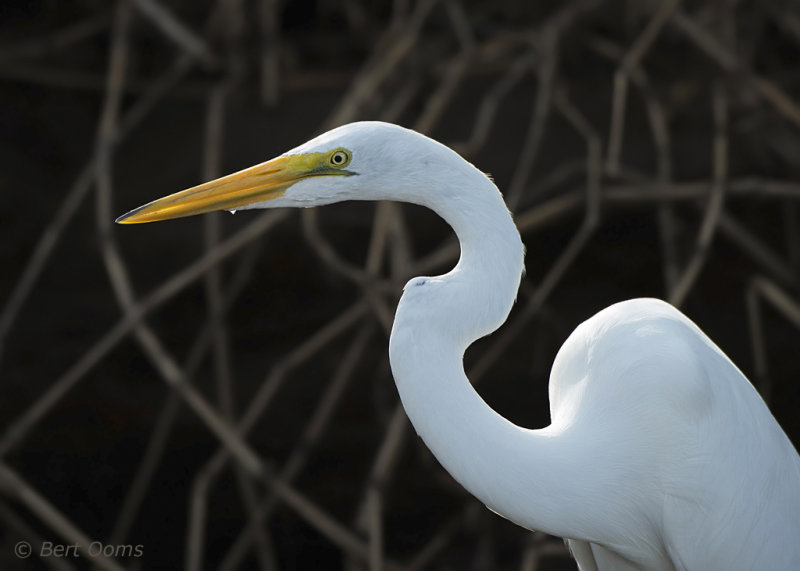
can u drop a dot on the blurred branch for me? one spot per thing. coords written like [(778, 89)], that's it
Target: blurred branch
[(14, 486), (49, 239), (17, 526), (546, 40), (774, 95), (171, 287), (763, 288), (176, 31), (61, 39), (270, 51), (629, 66), (394, 45), (300, 455), (715, 202)]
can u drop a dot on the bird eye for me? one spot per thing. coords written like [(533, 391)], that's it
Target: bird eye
[(339, 158)]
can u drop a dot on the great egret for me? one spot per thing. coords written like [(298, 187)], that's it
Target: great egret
[(660, 455)]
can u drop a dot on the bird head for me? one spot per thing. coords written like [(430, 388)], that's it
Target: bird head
[(360, 161)]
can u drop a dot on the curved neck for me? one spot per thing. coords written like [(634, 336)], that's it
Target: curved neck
[(516, 472)]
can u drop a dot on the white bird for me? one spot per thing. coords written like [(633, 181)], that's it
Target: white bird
[(660, 454)]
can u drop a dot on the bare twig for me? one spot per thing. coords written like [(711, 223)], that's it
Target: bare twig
[(59, 40), (83, 184), (628, 66), (715, 202), (317, 423), (270, 51), (13, 485), (761, 287), (176, 31), (25, 422), (17, 526), (767, 89)]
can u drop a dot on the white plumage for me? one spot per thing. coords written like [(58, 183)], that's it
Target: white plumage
[(660, 455)]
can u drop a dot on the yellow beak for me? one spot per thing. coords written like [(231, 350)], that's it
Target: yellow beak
[(260, 183)]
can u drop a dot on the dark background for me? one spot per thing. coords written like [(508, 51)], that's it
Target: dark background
[(682, 121)]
